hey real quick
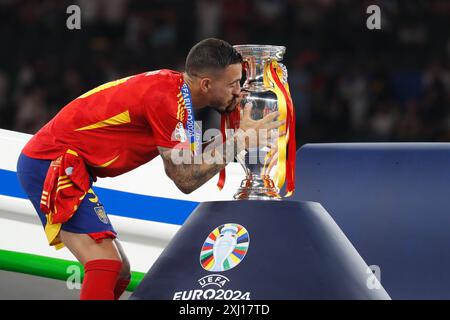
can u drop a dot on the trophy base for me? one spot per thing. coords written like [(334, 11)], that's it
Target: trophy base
[(257, 188)]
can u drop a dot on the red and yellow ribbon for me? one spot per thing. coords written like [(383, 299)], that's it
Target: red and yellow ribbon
[(286, 143), (285, 156)]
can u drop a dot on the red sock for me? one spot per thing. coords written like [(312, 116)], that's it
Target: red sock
[(121, 286), (100, 277)]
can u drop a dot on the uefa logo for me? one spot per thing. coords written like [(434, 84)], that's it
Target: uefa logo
[(224, 248)]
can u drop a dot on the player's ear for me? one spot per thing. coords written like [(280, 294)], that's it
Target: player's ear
[(205, 84)]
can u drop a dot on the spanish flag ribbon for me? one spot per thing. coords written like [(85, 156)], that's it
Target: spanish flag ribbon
[(229, 120), (222, 174), (286, 143)]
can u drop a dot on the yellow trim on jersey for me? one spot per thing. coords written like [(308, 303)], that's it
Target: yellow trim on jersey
[(107, 163), (95, 198), (60, 183), (119, 119), (104, 86), (64, 186), (72, 153)]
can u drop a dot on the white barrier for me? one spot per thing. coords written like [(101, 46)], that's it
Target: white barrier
[(143, 241)]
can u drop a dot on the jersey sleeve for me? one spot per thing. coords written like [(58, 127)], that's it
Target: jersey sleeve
[(166, 117)]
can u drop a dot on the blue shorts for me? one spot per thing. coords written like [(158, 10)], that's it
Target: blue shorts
[(90, 218)]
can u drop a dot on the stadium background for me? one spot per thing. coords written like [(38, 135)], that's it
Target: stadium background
[(348, 83)]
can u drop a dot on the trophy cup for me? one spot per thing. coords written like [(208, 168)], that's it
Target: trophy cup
[(267, 90)]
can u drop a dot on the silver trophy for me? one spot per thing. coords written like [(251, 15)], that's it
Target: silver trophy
[(259, 184)]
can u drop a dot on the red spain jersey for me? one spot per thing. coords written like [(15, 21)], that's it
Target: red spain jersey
[(117, 126)]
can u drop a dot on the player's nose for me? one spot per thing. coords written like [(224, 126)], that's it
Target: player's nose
[(237, 91)]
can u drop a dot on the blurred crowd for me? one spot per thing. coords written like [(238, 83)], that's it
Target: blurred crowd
[(348, 83)]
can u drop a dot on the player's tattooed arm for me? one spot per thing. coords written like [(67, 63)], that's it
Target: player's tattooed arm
[(189, 173)]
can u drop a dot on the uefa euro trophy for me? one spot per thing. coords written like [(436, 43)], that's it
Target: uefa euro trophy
[(267, 90)]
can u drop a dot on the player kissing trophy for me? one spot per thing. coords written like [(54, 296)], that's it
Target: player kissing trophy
[(267, 90)]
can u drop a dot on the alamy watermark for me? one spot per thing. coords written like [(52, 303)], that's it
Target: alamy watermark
[(374, 20), (74, 280), (73, 22), (374, 279)]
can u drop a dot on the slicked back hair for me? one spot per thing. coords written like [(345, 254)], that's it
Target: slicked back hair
[(211, 55)]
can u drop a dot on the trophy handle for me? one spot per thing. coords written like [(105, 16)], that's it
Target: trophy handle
[(285, 72)]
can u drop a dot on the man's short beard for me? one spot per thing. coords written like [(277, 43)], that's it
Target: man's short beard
[(219, 107), (230, 108)]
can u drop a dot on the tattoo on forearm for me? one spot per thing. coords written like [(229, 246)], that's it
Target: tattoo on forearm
[(189, 177)]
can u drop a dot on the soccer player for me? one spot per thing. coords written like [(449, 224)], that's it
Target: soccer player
[(115, 128)]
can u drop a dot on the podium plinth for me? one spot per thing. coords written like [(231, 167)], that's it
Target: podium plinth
[(259, 250)]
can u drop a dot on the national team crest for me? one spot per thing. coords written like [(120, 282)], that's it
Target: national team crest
[(225, 247), (101, 213)]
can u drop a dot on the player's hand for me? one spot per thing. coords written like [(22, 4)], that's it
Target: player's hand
[(242, 95), (259, 133)]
